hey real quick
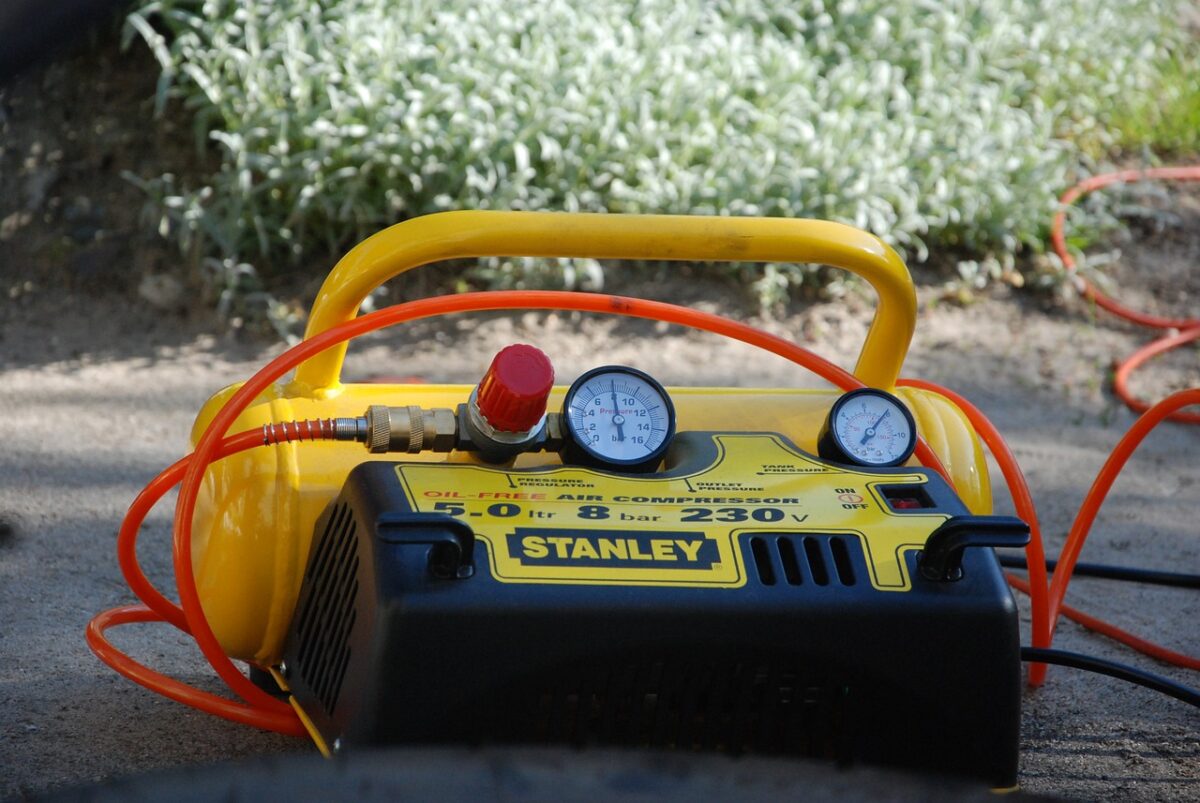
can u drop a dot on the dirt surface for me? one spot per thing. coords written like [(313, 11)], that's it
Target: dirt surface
[(99, 383)]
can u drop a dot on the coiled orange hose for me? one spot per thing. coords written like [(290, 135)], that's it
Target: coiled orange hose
[(158, 608), (264, 711), (1189, 328)]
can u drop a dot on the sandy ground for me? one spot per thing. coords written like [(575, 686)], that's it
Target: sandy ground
[(98, 395)]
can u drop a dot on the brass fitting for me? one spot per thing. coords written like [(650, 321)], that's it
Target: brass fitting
[(410, 429)]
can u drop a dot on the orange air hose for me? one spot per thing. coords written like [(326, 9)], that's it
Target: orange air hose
[(1189, 328), (264, 711), (1100, 487), (1115, 633), (1041, 633), (1046, 601), (158, 608), (189, 616)]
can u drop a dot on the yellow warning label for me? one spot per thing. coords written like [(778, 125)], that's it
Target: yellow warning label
[(576, 525)]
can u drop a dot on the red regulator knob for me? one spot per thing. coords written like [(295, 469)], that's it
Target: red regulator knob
[(512, 395)]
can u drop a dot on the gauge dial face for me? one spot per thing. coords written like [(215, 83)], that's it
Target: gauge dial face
[(873, 428), (619, 416)]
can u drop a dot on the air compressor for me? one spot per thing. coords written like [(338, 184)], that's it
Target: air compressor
[(599, 559)]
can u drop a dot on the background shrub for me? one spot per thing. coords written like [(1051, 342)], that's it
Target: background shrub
[(936, 124)]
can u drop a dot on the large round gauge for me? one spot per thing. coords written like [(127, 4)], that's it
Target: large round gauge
[(868, 427), (619, 418)]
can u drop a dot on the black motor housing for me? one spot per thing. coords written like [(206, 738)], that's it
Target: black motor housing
[(404, 635)]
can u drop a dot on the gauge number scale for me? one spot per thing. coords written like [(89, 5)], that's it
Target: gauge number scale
[(618, 416), (868, 427)]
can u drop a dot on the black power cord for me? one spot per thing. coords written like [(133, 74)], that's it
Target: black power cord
[(1113, 669), (1151, 576)]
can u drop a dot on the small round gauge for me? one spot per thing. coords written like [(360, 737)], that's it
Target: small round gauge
[(868, 427), (617, 417)]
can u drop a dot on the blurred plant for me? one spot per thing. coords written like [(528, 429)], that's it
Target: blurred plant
[(1169, 117), (948, 125), (241, 297)]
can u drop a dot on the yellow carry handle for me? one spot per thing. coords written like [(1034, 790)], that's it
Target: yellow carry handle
[(459, 235), (257, 510)]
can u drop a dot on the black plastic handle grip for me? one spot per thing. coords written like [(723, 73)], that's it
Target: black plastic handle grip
[(941, 561), (452, 541)]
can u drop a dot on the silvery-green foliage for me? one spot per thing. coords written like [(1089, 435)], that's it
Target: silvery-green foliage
[(932, 123)]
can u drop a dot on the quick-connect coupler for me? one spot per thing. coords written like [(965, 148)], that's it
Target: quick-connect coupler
[(409, 429)]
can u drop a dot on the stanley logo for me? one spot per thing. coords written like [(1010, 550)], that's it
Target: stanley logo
[(632, 549)]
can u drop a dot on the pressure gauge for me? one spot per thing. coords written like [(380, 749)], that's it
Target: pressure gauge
[(618, 418), (868, 427)]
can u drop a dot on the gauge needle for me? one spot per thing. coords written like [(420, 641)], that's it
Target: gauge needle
[(870, 433), (618, 420)]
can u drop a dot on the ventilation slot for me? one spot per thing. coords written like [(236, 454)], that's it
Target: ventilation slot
[(791, 565), (734, 707), (327, 617), (822, 560), (842, 561), (762, 561), (816, 561)]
